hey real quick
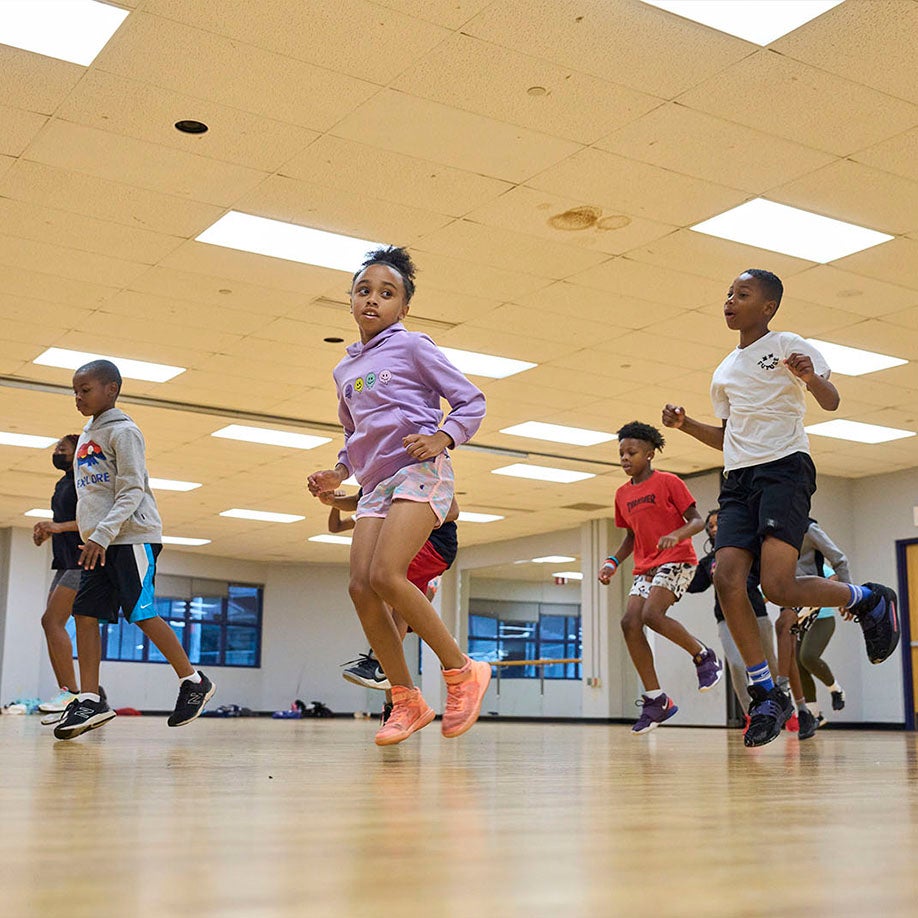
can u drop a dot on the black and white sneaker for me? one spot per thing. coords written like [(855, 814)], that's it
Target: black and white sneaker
[(838, 700), (56, 716), (81, 716), (768, 712), (366, 672), (191, 699)]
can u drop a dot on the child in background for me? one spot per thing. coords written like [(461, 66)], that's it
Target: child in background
[(660, 515), (122, 538), (395, 442), (759, 393)]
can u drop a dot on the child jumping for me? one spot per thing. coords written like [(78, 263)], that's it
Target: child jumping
[(122, 537), (395, 441), (660, 515), (759, 393)]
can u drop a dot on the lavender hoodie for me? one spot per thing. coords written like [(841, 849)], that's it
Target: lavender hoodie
[(391, 387)]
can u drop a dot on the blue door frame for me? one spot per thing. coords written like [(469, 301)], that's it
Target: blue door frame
[(908, 675)]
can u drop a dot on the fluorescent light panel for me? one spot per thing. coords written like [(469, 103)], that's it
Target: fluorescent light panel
[(331, 539), (791, 231), (181, 540), (270, 436), (558, 433), (39, 512), (542, 473), (852, 361), (308, 246), (858, 432), (69, 30), (130, 369), (570, 575), (262, 516), (758, 21), (169, 484), (474, 364), (466, 517), (8, 438), (553, 559)]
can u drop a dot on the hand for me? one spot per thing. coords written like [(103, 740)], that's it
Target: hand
[(326, 480), (846, 614), (801, 366), (607, 572), (667, 541), (42, 531), (426, 446), (673, 416), (329, 497), (91, 553)]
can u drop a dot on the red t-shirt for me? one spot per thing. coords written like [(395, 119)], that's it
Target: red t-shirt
[(651, 509)]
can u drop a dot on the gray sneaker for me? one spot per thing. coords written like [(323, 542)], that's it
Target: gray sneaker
[(656, 711), (366, 672)]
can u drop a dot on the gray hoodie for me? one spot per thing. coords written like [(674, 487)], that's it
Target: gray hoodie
[(115, 505), (816, 540)]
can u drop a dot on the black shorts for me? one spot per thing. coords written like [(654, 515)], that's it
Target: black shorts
[(125, 582), (772, 499)]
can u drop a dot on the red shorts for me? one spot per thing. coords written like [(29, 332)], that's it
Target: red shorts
[(426, 565)]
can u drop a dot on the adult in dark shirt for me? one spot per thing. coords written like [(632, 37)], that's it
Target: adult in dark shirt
[(65, 542), (703, 579)]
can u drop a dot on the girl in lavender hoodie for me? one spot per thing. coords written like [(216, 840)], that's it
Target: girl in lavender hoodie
[(395, 443)]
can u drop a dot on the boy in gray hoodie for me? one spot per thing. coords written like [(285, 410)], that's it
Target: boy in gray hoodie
[(122, 536)]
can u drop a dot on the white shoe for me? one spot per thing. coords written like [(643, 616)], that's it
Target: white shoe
[(58, 703)]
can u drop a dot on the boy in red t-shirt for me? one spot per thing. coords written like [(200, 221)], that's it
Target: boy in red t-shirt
[(660, 515)]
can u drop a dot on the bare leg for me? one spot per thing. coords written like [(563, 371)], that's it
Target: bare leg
[(654, 613), (638, 645), (733, 566), (781, 584), (163, 637), (89, 652), (60, 650), (403, 533)]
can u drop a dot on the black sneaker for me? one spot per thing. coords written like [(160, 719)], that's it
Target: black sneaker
[(838, 700), (808, 724), (81, 716), (768, 712), (191, 699), (386, 711), (878, 616), (366, 672), (55, 717)]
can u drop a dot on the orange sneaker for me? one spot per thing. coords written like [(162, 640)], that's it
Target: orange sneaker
[(465, 690), (409, 713)]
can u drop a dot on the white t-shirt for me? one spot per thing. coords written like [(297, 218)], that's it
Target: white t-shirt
[(762, 402)]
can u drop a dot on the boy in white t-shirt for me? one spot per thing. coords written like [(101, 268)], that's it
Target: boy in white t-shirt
[(759, 392)]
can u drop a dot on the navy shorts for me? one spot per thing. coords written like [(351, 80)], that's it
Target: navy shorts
[(125, 582), (772, 499)]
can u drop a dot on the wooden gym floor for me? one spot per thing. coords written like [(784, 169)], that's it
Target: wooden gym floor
[(259, 818)]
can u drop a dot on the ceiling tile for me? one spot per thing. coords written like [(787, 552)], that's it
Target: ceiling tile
[(574, 301), (848, 291), (34, 82), (19, 128), (898, 155), (801, 104), (418, 127), (23, 281)]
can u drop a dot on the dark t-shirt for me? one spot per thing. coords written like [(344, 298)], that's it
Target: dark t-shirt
[(704, 578), (445, 542), (65, 545)]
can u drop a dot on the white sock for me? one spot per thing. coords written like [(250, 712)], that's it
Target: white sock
[(835, 687), (88, 696), (194, 677), (656, 693)]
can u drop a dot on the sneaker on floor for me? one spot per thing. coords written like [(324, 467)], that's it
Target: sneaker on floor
[(838, 700), (769, 711), (745, 723), (807, 725), (708, 668), (878, 616), (409, 712), (81, 716), (821, 720), (366, 672), (656, 711), (792, 724), (386, 712), (57, 704), (465, 690), (191, 699)]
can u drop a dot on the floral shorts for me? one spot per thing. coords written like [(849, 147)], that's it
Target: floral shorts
[(674, 577), (429, 482)]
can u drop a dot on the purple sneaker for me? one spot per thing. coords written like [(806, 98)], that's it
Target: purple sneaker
[(656, 710), (709, 669)]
